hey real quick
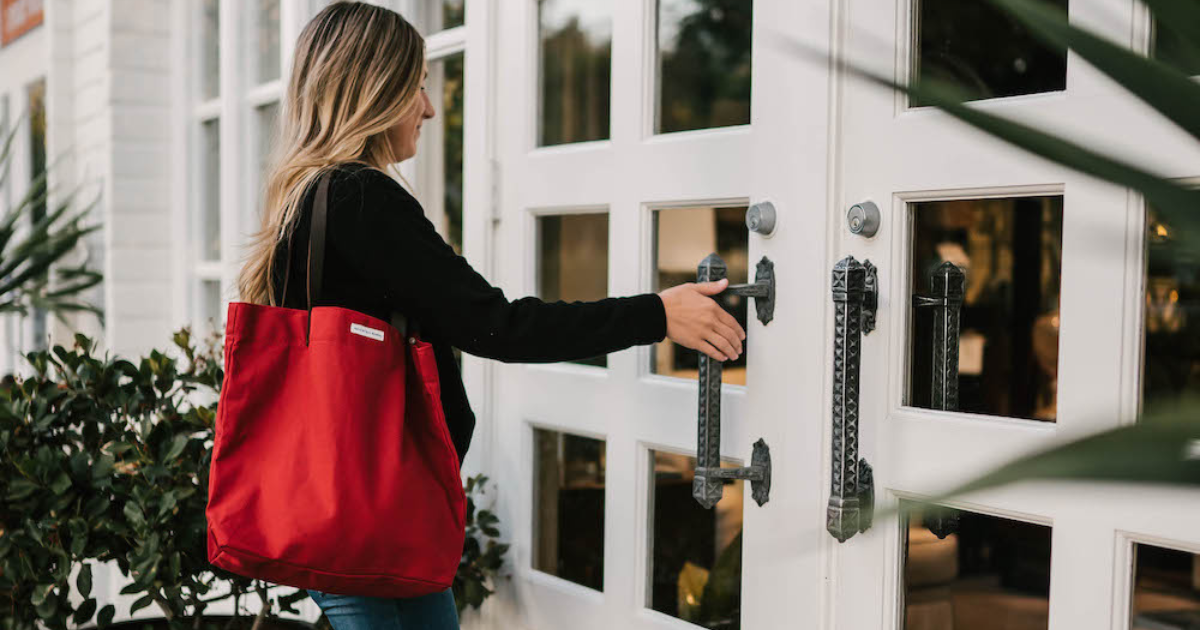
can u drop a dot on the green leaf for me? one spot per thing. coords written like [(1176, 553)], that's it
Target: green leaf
[(1164, 88), (20, 489), (104, 619), (40, 593), (140, 604), (84, 581), (176, 447), (61, 483), (84, 612), (133, 512)]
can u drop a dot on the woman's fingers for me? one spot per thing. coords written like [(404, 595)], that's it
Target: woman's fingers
[(729, 334), (732, 323), (723, 345)]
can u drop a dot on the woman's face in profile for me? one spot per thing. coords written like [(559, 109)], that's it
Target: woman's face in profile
[(404, 135)]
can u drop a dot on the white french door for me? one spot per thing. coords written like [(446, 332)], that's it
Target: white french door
[(632, 138), (1057, 334)]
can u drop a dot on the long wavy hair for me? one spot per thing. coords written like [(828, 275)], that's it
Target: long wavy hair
[(356, 73)]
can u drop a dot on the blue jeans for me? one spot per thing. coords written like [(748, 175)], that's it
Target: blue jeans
[(352, 612)]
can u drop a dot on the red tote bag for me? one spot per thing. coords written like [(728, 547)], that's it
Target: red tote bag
[(332, 466)]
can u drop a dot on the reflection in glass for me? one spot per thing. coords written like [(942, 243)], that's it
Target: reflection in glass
[(266, 44), (210, 185), (1171, 358), (440, 151), (211, 300), (984, 51), (210, 75), (703, 63), (453, 13), (682, 238), (268, 118), (573, 261), (1166, 589), (1167, 46), (1011, 251), (568, 507), (990, 574), (575, 70), (696, 570), (38, 186)]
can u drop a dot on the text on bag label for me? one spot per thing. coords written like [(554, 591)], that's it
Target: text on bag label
[(373, 333)]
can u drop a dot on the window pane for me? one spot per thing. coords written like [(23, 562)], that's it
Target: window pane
[(210, 77), (1166, 589), (210, 188), (440, 148), (703, 63), (573, 261), (1171, 357), (38, 187), (266, 41), (453, 13), (985, 573), (576, 65), (211, 305), (1011, 253), (984, 51), (267, 121), (568, 512), (696, 570), (683, 237)]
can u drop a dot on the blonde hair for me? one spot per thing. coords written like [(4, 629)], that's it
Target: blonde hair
[(357, 71)]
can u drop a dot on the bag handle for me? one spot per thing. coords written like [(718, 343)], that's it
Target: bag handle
[(316, 260)]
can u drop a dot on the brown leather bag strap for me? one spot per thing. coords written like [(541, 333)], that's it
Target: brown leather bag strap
[(316, 249)]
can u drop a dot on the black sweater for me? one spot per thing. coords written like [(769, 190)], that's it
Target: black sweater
[(382, 255)]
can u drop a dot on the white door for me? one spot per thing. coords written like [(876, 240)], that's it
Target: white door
[(632, 137), (1064, 331)]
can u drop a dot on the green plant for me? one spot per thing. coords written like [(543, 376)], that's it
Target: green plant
[(1164, 446), (35, 240), (483, 554), (103, 459)]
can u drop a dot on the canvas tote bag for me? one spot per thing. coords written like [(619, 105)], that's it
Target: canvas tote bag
[(332, 466)]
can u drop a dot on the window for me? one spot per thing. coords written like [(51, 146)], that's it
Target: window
[(1171, 353), (696, 561), (234, 129), (683, 237), (38, 188), (440, 149), (1011, 253), (968, 570), (575, 38), (983, 51), (568, 512), (1166, 588), (573, 261), (703, 64)]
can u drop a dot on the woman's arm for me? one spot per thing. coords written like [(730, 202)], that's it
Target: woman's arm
[(382, 230)]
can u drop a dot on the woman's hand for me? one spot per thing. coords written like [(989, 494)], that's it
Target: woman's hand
[(696, 321)]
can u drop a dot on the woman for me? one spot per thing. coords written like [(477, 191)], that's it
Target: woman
[(355, 104)]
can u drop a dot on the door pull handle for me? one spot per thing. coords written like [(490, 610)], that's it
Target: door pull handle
[(852, 491), (708, 483)]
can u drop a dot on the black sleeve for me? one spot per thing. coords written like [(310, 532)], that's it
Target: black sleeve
[(382, 231)]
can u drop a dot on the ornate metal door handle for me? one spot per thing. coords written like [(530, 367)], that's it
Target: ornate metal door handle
[(852, 492), (707, 485), (947, 283)]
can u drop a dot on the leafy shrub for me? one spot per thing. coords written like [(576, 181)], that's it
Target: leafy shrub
[(102, 459)]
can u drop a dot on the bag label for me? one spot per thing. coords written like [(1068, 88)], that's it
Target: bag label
[(373, 333)]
